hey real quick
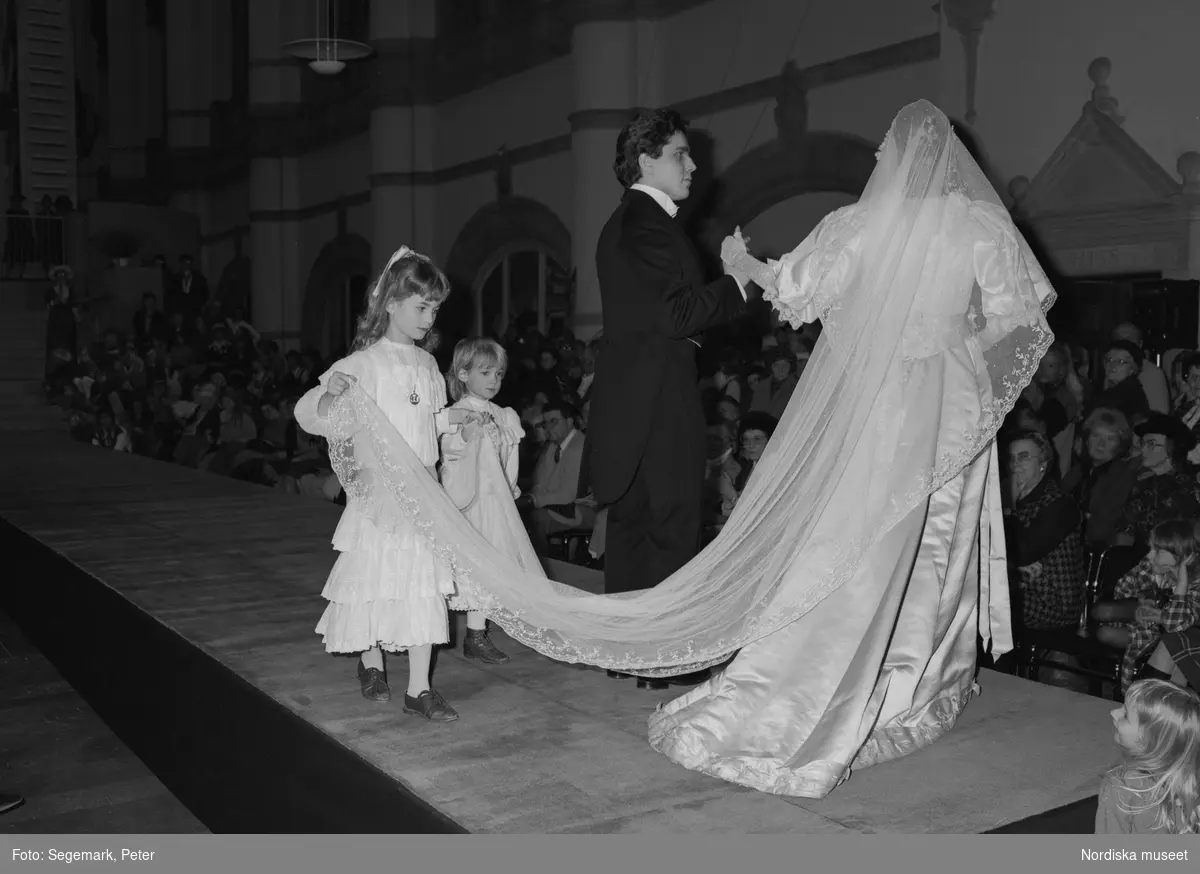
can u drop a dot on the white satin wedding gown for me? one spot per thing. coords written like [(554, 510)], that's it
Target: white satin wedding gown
[(884, 665)]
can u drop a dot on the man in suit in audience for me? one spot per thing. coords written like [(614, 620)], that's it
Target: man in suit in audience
[(646, 427), (551, 500), (149, 324), (188, 291)]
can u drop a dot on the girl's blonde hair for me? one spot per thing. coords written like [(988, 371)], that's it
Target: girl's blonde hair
[(468, 355), (1165, 770), (1176, 536), (406, 274)]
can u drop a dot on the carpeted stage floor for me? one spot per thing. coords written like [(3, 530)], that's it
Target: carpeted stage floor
[(181, 605)]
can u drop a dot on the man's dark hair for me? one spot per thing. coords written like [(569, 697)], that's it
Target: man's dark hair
[(645, 134), (564, 408)]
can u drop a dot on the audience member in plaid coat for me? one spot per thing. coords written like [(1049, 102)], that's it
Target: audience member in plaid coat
[(1164, 489), (1166, 588), (1184, 649), (1044, 540)]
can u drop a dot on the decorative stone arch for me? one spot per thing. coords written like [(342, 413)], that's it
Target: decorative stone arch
[(511, 224), (234, 284), (779, 170), (347, 255)]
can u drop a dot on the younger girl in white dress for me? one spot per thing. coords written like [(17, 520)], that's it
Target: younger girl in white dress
[(388, 590), (479, 471)]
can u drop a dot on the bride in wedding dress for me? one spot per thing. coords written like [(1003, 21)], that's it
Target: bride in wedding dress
[(866, 553), (885, 665)]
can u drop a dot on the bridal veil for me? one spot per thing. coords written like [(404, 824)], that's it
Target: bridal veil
[(773, 561)]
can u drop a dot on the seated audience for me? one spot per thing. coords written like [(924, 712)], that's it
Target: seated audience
[(550, 502), (721, 472), (1101, 482), (1150, 375), (772, 395), (1043, 538), (1160, 595), (754, 433), (1122, 384), (1163, 489)]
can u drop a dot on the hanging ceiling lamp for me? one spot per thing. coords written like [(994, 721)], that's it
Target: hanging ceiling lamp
[(325, 53)]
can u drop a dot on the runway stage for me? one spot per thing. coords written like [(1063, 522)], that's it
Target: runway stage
[(182, 606)]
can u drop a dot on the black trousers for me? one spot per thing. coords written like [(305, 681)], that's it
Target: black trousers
[(654, 528)]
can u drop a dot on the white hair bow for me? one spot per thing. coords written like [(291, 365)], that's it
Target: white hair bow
[(402, 252)]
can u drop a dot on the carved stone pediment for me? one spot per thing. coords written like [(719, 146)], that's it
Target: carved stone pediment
[(1098, 166)]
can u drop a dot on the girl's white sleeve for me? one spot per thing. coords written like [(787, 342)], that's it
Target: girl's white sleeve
[(356, 365)]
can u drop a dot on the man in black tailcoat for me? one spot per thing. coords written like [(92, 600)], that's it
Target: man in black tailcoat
[(646, 432)]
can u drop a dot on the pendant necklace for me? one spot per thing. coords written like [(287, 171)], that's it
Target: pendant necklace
[(413, 397)]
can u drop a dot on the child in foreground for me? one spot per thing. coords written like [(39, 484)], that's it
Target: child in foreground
[(1155, 789)]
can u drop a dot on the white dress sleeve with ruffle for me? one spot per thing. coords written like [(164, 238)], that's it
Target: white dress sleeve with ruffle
[(811, 276)]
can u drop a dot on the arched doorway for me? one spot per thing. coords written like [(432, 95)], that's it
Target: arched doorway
[(343, 306), (335, 294), (513, 256), (779, 228), (779, 191), (779, 171), (521, 280)]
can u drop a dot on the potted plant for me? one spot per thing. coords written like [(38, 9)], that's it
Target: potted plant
[(120, 247)]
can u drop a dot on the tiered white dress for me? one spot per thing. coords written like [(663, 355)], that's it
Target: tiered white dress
[(480, 476), (387, 588)]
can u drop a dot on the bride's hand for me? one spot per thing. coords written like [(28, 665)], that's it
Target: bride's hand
[(733, 247), (740, 264)]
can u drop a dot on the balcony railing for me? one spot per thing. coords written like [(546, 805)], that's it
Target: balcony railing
[(32, 245)]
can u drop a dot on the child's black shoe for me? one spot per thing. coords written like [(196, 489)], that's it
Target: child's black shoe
[(478, 645), (431, 705)]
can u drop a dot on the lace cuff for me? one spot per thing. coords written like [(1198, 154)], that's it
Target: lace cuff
[(794, 296), (760, 274)]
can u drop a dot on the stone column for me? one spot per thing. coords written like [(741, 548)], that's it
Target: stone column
[(1188, 166), (189, 73), (220, 49), (276, 296), (960, 62), (188, 33), (402, 133), (604, 61), (128, 43)]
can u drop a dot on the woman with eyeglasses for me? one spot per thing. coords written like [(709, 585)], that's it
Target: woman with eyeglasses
[(753, 436), (1043, 537), (1122, 384), (1164, 489)]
